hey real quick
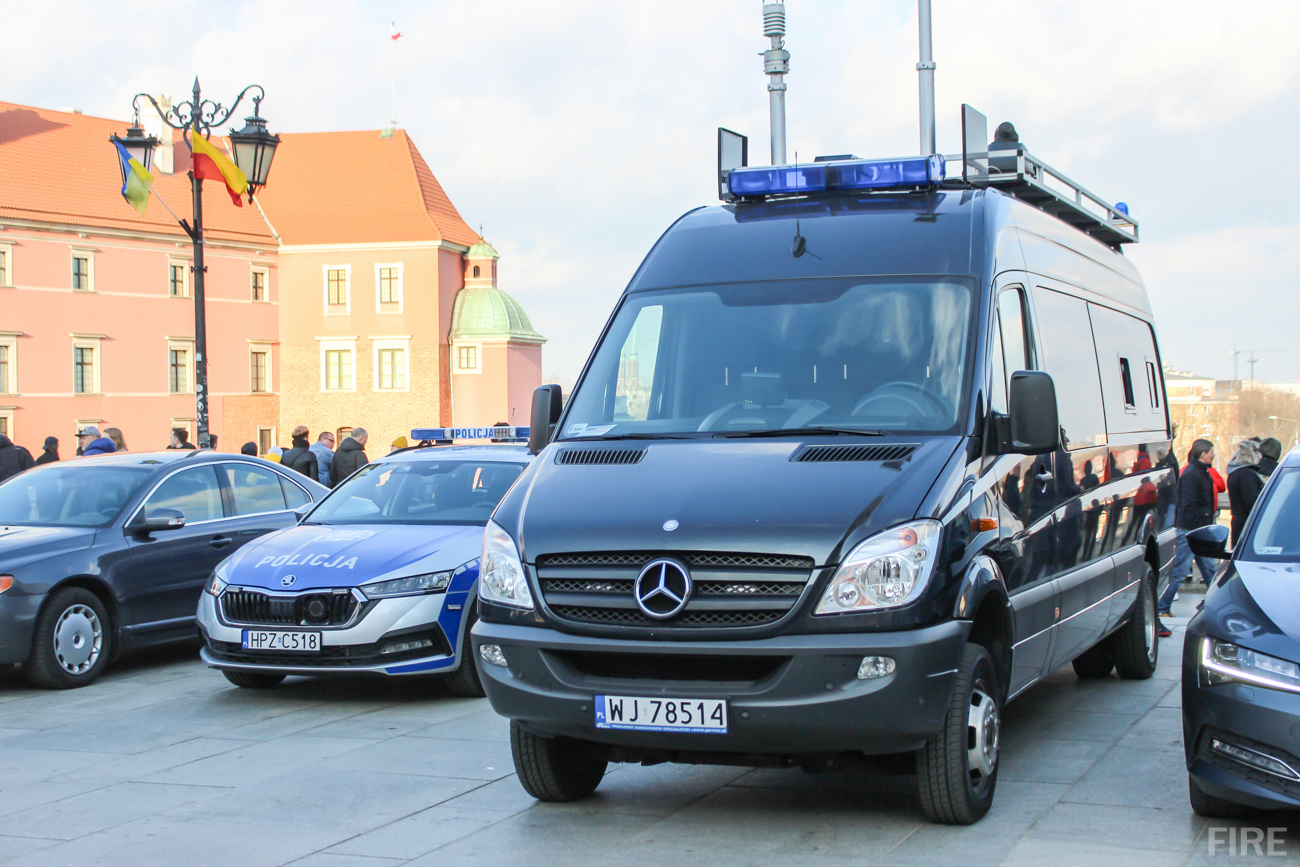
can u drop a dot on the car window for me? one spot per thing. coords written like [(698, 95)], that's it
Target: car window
[(419, 492), (256, 489), (1276, 535), (193, 492), (75, 494), (294, 496)]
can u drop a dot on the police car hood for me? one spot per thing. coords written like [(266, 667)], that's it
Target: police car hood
[(747, 496), (334, 555), (22, 545)]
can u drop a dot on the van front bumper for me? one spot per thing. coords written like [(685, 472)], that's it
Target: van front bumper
[(805, 697)]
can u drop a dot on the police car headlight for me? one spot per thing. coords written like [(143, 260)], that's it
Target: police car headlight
[(888, 570), (216, 586), (501, 577), (431, 582)]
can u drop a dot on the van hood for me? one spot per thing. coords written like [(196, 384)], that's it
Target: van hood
[(745, 496), (22, 545)]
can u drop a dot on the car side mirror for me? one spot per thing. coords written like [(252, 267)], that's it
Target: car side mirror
[(1210, 541), (547, 404), (1032, 424), (158, 520), (301, 511)]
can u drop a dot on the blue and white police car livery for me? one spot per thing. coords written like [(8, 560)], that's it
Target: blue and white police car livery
[(380, 577)]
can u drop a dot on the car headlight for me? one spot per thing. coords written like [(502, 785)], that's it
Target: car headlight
[(215, 585), (1224, 662), (431, 582), (888, 570), (501, 577)]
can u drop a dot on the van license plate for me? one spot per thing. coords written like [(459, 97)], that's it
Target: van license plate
[(294, 642), (695, 715)]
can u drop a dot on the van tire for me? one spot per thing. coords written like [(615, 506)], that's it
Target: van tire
[(554, 769), (253, 679), (464, 681), (1205, 804), (1137, 643), (952, 791), (1097, 661), (76, 617)]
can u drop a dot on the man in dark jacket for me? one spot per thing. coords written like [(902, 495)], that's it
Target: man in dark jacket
[(350, 457), (180, 439), (1195, 509), (13, 458), (50, 453), (300, 457), (1244, 485), (1270, 452)]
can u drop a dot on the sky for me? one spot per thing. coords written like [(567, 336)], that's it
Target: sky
[(576, 131)]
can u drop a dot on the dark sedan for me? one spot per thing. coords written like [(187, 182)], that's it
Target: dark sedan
[(105, 554), (1241, 661)]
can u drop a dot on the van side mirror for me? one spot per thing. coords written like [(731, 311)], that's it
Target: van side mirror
[(1211, 541), (547, 404), (157, 520), (1033, 427)]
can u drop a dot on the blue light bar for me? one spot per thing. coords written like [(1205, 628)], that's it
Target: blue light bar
[(444, 434), (900, 173)]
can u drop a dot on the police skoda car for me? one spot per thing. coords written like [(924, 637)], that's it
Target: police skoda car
[(380, 577)]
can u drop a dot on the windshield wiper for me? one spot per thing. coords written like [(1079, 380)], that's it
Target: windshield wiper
[(800, 432)]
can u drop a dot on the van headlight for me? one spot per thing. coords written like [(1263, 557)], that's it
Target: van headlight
[(501, 577), (431, 582), (1224, 662), (888, 570)]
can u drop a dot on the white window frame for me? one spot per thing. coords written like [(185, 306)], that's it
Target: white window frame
[(402, 343), (331, 345), (87, 253), (266, 284), (186, 280), (7, 250), (7, 414), (325, 289), (478, 358), (88, 341), (261, 346), (9, 340), (393, 307), (185, 344)]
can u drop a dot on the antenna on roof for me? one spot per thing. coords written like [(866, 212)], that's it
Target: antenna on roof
[(776, 63)]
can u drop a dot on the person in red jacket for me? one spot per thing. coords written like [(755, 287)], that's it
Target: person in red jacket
[(1220, 489)]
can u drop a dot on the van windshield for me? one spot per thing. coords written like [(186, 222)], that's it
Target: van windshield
[(879, 354)]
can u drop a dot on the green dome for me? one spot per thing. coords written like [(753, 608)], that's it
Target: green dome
[(485, 312), (482, 250)]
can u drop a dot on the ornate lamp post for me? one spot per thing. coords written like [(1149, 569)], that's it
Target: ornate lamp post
[(253, 148)]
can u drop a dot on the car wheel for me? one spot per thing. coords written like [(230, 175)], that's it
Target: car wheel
[(1210, 807), (253, 679), (71, 642), (1137, 643), (464, 681), (1096, 661), (957, 769), (554, 769)]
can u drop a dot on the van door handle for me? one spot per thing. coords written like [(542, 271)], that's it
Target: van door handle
[(1044, 479), (219, 541)]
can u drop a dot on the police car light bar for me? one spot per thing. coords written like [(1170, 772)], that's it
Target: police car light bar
[(901, 173), (444, 434)]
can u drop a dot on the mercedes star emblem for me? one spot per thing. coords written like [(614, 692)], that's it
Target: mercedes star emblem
[(287, 580), (662, 589)]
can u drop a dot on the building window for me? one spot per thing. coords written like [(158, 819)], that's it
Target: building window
[(337, 279), (81, 273), (176, 287), (259, 284), (4, 267), (338, 369), (257, 371), (388, 286), (83, 370), (6, 430), (6, 367), (475, 270), (341, 434), (467, 357), (178, 366), (265, 439), (392, 369)]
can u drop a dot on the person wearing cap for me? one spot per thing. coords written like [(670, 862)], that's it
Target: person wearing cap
[(85, 437), (50, 453), (275, 453), (399, 444), (1270, 452), (13, 458), (101, 446), (248, 448)]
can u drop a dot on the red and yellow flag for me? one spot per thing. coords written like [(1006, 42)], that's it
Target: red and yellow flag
[(212, 164)]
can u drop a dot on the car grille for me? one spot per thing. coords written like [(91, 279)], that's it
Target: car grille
[(669, 667), (729, 590), (307, 609)]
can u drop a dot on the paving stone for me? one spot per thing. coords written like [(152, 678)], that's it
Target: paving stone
[(1048, 760), (97, 810), (1128, 777)]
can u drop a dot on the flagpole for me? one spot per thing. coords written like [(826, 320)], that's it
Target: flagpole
[(393, 39), (200, 299)]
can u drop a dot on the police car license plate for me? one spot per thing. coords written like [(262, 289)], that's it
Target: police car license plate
[(694, 715), (297, 642)]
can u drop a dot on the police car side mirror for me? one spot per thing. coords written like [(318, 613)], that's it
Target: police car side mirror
[(301, 512), (547, 404), (157, 520), (1033, 427), (1211, 541)]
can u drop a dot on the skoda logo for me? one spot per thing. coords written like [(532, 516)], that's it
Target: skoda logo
[(287, 580), (662, 589)]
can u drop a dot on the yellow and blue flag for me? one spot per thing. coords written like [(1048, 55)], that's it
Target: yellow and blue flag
[(135, 189)]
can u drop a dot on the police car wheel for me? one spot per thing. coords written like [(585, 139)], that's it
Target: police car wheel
[(1205, 804), (957, 769), (464, 681), (253, 679), (1137, 643), (554, 769), (71, 642)]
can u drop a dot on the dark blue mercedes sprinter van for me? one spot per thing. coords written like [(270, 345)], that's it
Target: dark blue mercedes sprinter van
[(860, 456)]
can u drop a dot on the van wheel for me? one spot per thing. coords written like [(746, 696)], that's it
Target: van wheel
[(72, 641), (554, 769), (1137, 643), (1210, 807), (957, 769), (464, 681), (1096, 661), (253, 679)]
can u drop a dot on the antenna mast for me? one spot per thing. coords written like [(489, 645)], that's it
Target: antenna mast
[(925, 69), (776, 63)]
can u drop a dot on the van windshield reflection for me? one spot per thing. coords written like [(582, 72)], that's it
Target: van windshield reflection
[(869, 356)]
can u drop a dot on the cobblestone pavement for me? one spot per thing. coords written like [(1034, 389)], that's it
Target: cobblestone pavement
[(162, 762)]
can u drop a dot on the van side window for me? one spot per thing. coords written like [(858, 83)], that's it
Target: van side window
[(1011, 315), (1070, 357), (998, 391), (1129, 400), (1153, 386), (1125, 338)]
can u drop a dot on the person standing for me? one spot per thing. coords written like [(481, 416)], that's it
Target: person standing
[(1270, 452), (85, 437), (180, 439), (1195, 509), (13, 458), (1244, 484), (350, 457), (300, 457), (101, 446), (323, 449), (50, 454), (249, 448), (115, 434)]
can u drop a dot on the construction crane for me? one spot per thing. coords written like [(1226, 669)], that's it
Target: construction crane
[(1252, 359)]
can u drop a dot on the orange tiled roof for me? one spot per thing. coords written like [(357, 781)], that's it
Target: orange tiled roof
[(58, 167), (357, 188)]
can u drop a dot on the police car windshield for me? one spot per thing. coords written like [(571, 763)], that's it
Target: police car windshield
[(1275, 536), (79, 494), (419, 492), (877, 354)]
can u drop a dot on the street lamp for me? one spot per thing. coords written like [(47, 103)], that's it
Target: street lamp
[(253, 149)]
